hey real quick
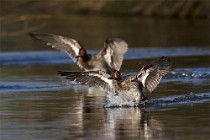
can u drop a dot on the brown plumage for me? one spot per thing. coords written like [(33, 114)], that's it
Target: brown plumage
[(108, 59), (129, 88)]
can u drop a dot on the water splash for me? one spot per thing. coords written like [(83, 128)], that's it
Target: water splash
[(116, 101), (177, 100), (190, 73)]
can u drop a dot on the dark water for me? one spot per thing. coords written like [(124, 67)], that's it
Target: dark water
[(38, 104)]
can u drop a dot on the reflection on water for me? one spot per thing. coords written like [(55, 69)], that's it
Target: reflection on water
[(73, 116), (134, 123)]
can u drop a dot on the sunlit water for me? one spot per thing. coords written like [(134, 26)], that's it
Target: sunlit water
[(38, 104)]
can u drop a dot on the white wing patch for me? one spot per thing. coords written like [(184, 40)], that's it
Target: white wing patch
[(114, 49), (108, 55), (106, 80), (143, 77), (72, 43), (61, 43)]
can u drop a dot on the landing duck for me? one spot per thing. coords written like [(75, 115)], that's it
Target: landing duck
[(128, 89), (108, 59)]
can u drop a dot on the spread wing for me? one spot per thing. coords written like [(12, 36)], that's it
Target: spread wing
[(113, 52), (151, 75), (70, 46), (91, 78)]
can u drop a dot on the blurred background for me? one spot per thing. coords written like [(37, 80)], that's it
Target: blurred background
[(139, 22)]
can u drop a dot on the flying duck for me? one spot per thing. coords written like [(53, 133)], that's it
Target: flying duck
[(108, 59)]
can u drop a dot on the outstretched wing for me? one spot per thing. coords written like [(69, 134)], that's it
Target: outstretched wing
[(91, 78), (113, 52), (151, 75), (70, 46)]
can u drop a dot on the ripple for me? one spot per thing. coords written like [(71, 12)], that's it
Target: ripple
[(135, 53), (190, 73), (57, 57), (177, 100), (13, 87), (33, 58), (160, 102)]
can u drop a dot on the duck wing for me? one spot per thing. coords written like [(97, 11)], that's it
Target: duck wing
[(91, 78), (151, 75), (113, 52), (68, 45)]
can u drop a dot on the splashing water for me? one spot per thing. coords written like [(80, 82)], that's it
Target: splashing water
[(116, 101)]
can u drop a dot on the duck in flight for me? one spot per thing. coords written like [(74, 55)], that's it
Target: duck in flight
[(128, 88), (108, 59)]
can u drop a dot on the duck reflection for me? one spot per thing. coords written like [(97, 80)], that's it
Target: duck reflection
[(93, 120), (133, 122), (89, 119), (78, 113)]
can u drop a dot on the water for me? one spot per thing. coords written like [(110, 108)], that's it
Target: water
[(38, 104)]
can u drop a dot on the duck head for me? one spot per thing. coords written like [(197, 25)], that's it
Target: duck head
[(83, 54), (117, 76)]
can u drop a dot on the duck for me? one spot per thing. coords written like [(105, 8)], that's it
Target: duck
[(127, 89), (108, 59)]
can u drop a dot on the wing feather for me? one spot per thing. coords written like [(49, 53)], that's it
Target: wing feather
[(68, 45), (157, 70), (91, 78), (151, 75), (113, 52)]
